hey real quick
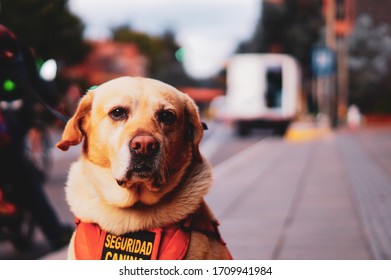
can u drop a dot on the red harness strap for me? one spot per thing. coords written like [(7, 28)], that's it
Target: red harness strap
[(87, 240), (174, 243)]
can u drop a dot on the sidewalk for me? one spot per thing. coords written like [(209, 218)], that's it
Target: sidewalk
[(324, 198)]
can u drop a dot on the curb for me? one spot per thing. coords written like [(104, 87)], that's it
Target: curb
[(301, 132)]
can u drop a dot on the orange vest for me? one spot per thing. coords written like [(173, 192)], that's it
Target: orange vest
[(168, 243)]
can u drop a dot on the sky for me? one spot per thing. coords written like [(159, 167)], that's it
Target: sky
[(209, 30)]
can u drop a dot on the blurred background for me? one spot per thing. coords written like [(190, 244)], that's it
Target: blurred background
[(297, 95)]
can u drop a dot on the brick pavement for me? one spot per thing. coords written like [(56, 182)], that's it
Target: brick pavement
[(327, 198), (367, 158)]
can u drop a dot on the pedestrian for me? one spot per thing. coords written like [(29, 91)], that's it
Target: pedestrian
[(18, 68)]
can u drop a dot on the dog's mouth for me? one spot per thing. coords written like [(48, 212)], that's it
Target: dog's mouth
[(142, 169), (142, 164), (146, 172)]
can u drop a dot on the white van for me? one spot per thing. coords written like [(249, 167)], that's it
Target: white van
[(262, 91)]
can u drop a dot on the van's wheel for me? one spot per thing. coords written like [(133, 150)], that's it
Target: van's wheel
[(280, 128), (242, 128)]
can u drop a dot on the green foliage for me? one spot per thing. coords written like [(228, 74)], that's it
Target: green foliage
[(148, 45), (160, 52), (47, 26)]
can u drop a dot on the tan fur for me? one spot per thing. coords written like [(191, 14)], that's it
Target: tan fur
[(175, 190)]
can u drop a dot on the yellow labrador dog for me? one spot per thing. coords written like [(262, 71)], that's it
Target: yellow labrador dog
[(137, 191)]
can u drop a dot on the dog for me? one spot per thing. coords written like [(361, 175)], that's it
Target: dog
[(137, 191)]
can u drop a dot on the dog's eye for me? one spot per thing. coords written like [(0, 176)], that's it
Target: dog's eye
[(119, 113), (166, 117)]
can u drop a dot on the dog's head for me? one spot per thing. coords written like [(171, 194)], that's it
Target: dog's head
[(144, 131)]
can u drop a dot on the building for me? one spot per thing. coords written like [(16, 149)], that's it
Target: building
[(109, 60)]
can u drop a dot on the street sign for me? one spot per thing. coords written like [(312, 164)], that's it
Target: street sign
[(323, 61)]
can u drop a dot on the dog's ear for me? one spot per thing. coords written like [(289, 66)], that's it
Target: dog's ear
[(76, 127), (194, 128)]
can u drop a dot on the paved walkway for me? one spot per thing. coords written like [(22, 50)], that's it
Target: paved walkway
[(323, 198)]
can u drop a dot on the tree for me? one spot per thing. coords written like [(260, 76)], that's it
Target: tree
[(47, 26), (369, 60), (160, 51), (292, 27)]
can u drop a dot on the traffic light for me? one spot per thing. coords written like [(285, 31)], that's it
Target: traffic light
[(9, 85), (180, 54), (8, 89)]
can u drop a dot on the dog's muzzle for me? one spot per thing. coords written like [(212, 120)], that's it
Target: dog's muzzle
[(145, 161)]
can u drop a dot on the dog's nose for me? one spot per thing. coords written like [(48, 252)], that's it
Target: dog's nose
[(144, 145)]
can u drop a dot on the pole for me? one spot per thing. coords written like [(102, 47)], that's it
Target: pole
[(343, 78)]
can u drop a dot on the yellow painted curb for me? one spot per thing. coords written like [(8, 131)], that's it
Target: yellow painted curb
[(305, 134)]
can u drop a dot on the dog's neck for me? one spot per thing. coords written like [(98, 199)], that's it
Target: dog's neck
[(87, 204)]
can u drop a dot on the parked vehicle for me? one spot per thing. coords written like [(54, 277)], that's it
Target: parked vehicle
[(262, 91)]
